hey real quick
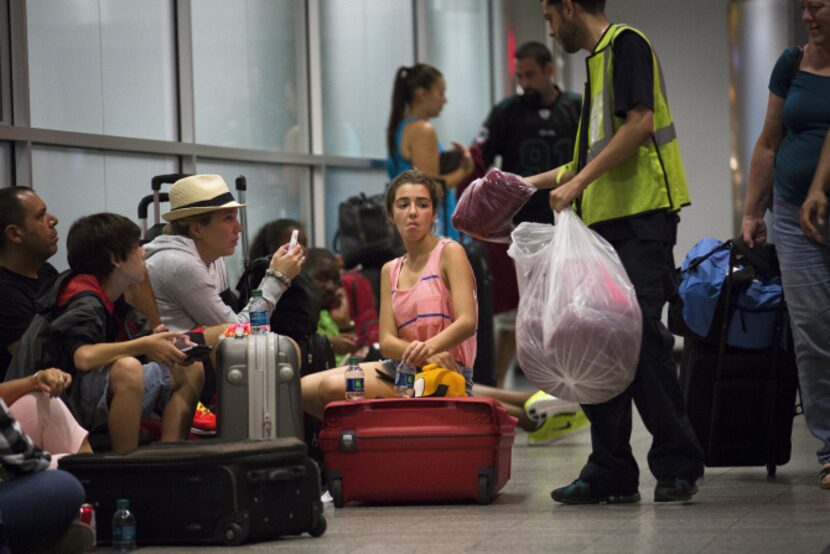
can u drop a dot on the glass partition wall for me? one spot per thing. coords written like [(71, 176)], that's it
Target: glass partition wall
[(98, 96)]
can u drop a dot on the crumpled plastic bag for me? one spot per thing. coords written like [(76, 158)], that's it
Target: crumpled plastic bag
[(487, 206), (579, 326)]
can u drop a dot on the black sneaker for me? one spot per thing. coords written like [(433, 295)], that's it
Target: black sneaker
[(673, 489), (579, 492)]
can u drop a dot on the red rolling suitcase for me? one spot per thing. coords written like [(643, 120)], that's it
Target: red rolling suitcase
[(416, 449)]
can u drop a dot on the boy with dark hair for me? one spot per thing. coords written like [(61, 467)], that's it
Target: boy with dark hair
[(27, 239), (85, 327)]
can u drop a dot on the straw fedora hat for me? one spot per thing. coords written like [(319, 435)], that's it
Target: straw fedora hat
[(199, 194)]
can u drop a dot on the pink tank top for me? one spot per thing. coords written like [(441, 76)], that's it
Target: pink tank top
[(423, 311)]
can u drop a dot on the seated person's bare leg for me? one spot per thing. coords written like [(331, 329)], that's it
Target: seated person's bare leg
[(178, 412), (517, 398), (328, 386), (505, 354), (513, 402), (126, 385)]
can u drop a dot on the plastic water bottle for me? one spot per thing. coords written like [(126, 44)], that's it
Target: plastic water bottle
[(123, 527), (354, 380), (258, 310), (405, 380)]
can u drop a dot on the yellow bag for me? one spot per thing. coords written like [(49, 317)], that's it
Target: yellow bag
[(434, 381)]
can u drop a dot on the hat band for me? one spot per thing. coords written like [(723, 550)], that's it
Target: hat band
[(220, 200)]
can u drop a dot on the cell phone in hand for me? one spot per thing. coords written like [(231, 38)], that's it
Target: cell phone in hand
[(293, 242), (197, 352)]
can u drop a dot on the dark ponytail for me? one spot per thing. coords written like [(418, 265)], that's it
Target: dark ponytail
[(407, 81)]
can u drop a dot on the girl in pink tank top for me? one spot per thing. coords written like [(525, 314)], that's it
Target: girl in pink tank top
[(428, 307)]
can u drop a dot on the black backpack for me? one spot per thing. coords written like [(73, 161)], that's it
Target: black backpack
[(365, 236)]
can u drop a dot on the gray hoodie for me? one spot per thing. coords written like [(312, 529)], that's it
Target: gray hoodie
[(187, 291)]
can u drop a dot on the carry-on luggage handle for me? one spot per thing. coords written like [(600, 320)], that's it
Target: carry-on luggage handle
[(241, 189), (277, 474), (170, 178), (145, 202), (155, 184)]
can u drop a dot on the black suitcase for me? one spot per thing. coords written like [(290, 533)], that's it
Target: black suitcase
[(485, 366), (741, 402), (206, 492)]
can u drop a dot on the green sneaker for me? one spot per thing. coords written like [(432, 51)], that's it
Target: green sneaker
[(558, 427), (542, 405)]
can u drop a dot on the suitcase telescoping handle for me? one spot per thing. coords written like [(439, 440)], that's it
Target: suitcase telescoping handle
[(156, 183), (241, 188), (277, 474), (144, 203)]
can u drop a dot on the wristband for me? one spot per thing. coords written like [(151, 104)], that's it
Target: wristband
[(278, 275), (36, 374)]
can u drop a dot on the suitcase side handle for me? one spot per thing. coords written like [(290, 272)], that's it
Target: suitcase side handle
[(277, 474)]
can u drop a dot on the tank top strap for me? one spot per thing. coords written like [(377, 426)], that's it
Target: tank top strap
[(395, 272), (434, 263)]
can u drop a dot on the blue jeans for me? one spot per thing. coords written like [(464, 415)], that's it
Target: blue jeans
[(805, 273), (90, 395), (38, 504)]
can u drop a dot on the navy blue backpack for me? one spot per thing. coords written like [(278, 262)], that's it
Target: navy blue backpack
[(727, 287)]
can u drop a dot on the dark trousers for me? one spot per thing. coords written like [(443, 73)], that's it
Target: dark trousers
[(675, 451), (38, 505)]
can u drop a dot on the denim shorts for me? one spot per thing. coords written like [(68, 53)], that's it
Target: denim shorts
[(91, 396), (390, 368)]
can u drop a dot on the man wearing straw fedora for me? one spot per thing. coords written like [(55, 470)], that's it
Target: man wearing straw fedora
[(186, 266)]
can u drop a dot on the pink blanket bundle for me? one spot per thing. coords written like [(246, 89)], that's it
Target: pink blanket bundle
[(486, 208)]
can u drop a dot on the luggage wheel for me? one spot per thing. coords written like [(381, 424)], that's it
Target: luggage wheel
[(336, 490), (319, 527), (232, 534), (484, 496)]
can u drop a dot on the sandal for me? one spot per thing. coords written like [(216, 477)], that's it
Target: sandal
[(824, 477)]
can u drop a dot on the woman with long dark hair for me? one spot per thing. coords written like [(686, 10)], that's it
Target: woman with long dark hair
[(418, 95)]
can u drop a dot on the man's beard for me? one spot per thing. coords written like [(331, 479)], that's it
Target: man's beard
[(531, 98)]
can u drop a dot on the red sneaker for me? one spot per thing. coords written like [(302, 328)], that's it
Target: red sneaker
[(204, 421)]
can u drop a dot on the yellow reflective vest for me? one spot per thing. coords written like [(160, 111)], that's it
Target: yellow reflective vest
[(652, 179)]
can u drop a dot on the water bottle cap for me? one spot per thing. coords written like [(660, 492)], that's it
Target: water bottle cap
[(354, 360), (122, 503), (256, 293)]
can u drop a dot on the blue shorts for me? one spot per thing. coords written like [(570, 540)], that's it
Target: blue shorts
[(90, 400), (390, 368)]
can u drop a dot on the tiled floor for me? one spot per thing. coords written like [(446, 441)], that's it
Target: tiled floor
[(736, 510)]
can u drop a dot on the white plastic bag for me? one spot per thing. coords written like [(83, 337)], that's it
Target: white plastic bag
[(579, 326)]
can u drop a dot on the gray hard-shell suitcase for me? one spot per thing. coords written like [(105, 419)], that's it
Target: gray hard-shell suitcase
[(258, 384), (205, 492)]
